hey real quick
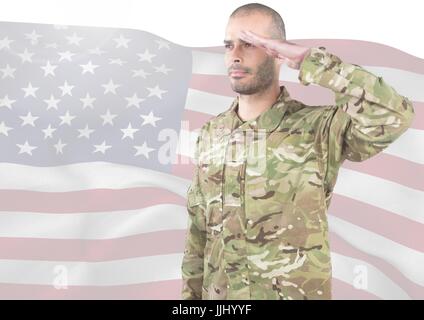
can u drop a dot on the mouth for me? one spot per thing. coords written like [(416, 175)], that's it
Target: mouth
[(238, 74)]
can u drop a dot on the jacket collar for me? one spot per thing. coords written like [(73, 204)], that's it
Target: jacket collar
[(267, 121)]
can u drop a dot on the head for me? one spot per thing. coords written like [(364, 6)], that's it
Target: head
[(262, 70)]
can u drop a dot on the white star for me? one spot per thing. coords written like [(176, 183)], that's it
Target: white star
[(26, 148), (162, 69), (146, 56), (48, 132), (96, 51), (134, 101), (144, 150), (85, 132), (52, 102), (110, 87), (66, 55), (116, 61), (87, 101), (108, 117), (101, 147), (48, 69), (33, 36), (162, 43), (8, 72), (26, 56), (66, 89), (156, 91), (140, 73), (5, 43), (30, 90), (28, 119), (59, 146), (4, 129), (88, 67), (129, 131), (6, 102), (121, 41), (67, 118), (74, 39), (150, 119)]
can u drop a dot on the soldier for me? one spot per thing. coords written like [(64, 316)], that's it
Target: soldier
[(266, 167)]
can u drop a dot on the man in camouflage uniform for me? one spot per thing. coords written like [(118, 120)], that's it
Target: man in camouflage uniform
[(266, 167)]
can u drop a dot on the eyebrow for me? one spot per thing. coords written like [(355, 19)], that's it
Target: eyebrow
[(231, 41)]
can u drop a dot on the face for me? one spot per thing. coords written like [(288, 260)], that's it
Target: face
[(259, 70)]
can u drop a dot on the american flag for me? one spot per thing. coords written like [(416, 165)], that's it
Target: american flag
[(97, 133)]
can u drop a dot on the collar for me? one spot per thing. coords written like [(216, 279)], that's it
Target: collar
[(267, 121)]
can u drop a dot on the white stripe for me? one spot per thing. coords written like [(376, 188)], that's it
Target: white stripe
[(408, 261), (346, 269), (86, 176), (116, 272), (93, 225), (381, 193), (404, 82), (407, 146)]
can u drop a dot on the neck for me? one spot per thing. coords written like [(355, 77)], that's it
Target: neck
[(251, 106)]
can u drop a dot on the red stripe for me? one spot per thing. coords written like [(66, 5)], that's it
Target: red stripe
[(87, 200), (357, 51)]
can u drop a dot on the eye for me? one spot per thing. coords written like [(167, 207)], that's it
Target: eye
[(248, 44), (227, 46)]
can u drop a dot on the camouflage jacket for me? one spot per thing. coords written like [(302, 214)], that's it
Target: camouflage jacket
[(258, 200)]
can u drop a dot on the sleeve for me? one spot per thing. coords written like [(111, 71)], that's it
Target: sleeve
[(193, 259), (368, 115)]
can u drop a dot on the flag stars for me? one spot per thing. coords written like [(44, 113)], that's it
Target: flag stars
[(8, 72), (162, 43), (48, 69), (140, 73), (59, 146), (4, 129), (30, 90), (67, 118), (74, 39), (85, 132), (110, 87), (116, 61), (134, 101), (33, 36), (5, 43), (121, 41), (52, 102), (89, 67), (108, 117), (6, 102), (26, 56), (48, 132), (156, 91), (67, 55), (66, 89), (163, 69), (88, 101), (28, 119), (149, 119), (129, 132), (26, 148), (143, 150), (146, 56), (101, 147)]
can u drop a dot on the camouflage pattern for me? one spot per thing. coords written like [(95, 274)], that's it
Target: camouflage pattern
[(259, 196)]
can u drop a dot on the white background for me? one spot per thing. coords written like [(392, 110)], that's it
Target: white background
[(397, 23)]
